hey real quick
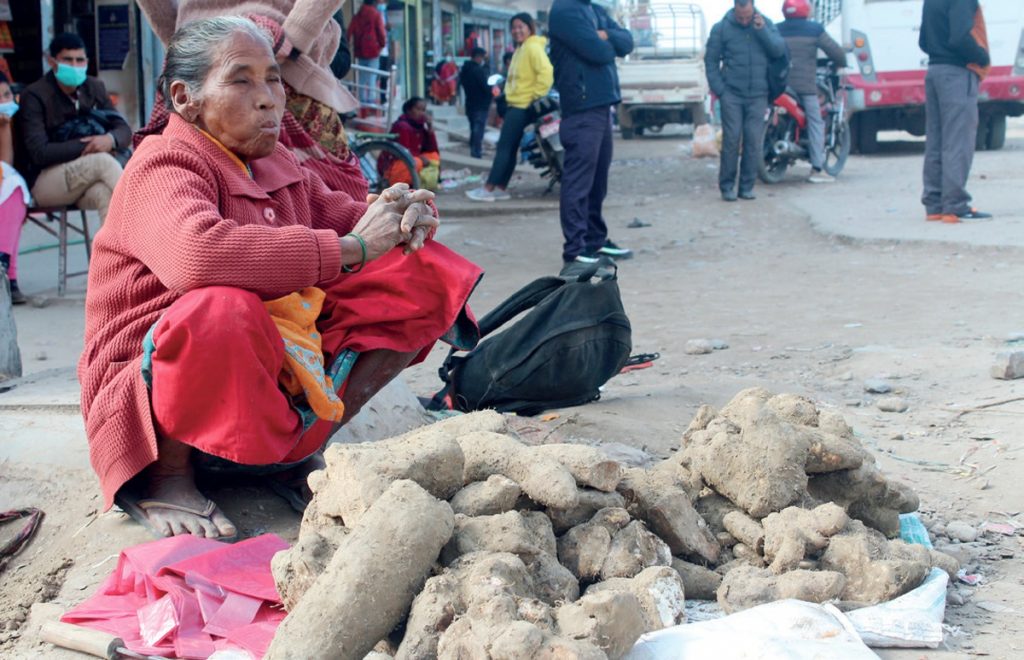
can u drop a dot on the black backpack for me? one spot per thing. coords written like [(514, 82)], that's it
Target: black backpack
[(575, 337)]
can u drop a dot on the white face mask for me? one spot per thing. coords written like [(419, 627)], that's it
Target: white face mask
[(8, 108)]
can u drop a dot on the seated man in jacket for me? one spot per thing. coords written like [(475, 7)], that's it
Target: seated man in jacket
[(79, 170)]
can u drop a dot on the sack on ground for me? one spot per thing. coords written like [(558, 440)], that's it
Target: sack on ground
[(574, 338), (704, 143)]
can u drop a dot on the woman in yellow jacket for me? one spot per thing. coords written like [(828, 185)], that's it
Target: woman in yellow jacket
[(529, 78)]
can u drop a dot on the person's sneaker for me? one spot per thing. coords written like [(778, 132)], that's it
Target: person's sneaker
[(584, 262), (821, 176), (748, 195), (610, 249), (485, 195), (933, 217), (728, 195), (974, 215)]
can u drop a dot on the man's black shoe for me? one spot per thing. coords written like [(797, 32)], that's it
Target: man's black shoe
[(748, 195), (610, 249), (589, 258), (584, 262), (974, 214), (728, 196)]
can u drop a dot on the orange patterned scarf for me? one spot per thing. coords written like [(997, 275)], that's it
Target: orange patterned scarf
[(303, 374)]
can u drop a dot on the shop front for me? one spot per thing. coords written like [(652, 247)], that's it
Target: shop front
[(487, 27)]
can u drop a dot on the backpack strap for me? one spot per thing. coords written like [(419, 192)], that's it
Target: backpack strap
[(520, 301), (525, 298)]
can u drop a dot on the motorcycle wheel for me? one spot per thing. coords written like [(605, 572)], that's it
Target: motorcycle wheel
[(772, 168), (370, 162), (835, 157)]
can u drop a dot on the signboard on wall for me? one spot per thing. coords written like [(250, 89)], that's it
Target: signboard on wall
[(115, 36)]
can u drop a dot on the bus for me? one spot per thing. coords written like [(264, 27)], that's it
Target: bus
[(887, 67)]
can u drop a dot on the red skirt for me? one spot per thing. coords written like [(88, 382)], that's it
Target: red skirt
[(214, 369)]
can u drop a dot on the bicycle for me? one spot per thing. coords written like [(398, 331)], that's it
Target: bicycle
[(378, 154)]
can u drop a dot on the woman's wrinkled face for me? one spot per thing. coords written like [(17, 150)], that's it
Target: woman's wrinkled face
[(520, 31), (242, 100)]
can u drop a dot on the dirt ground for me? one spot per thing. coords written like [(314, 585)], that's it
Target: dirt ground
[(816, 289)]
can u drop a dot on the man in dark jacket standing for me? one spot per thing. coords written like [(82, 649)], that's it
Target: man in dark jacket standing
[(736, 59), (953, 36), (804, 38), (584, 44), (473, 79)]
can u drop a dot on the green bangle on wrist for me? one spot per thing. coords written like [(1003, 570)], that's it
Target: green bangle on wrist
[(362, 261)]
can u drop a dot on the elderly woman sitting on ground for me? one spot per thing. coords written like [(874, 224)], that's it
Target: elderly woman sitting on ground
[(238, 310)]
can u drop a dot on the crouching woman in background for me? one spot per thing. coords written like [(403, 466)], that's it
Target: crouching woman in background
[(239, 311)]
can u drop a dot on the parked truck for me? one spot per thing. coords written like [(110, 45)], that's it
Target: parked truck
[(663, 79), (887, 68)]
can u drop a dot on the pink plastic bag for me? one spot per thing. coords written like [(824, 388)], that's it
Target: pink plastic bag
[(187, 597)]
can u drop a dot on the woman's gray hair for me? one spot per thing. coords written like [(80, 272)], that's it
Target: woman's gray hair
[(189, 55)]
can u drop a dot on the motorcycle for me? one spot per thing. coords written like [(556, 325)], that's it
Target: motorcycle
[(541, 146), (785, 134)]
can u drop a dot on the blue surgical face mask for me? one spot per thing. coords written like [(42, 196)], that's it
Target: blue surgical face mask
[(8, 108), (72, 76)]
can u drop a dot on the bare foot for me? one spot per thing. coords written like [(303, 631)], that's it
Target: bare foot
[(175, 506)]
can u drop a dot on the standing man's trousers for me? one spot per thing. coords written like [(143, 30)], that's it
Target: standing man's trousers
[(587, 138), (815, 130), (952, 127), (742, 120)]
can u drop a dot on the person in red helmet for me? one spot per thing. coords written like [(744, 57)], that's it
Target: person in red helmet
[(804, 37)]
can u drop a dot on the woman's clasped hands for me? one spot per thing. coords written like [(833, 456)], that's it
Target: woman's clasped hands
[(397, 216)]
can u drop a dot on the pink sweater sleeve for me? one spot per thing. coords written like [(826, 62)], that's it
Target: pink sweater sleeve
[(331, 209), (169, 221)]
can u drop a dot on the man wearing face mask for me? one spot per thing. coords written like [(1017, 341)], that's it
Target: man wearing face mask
[(77, 170)]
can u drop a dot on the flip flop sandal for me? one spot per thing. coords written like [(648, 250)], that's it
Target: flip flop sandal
[(138, 510), (289, 493), (641, 361)]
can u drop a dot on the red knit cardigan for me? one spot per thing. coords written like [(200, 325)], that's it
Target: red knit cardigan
[(185, 216)]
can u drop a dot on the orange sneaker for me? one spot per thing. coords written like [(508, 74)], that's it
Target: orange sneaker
[(933, 217), (950, 219)]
